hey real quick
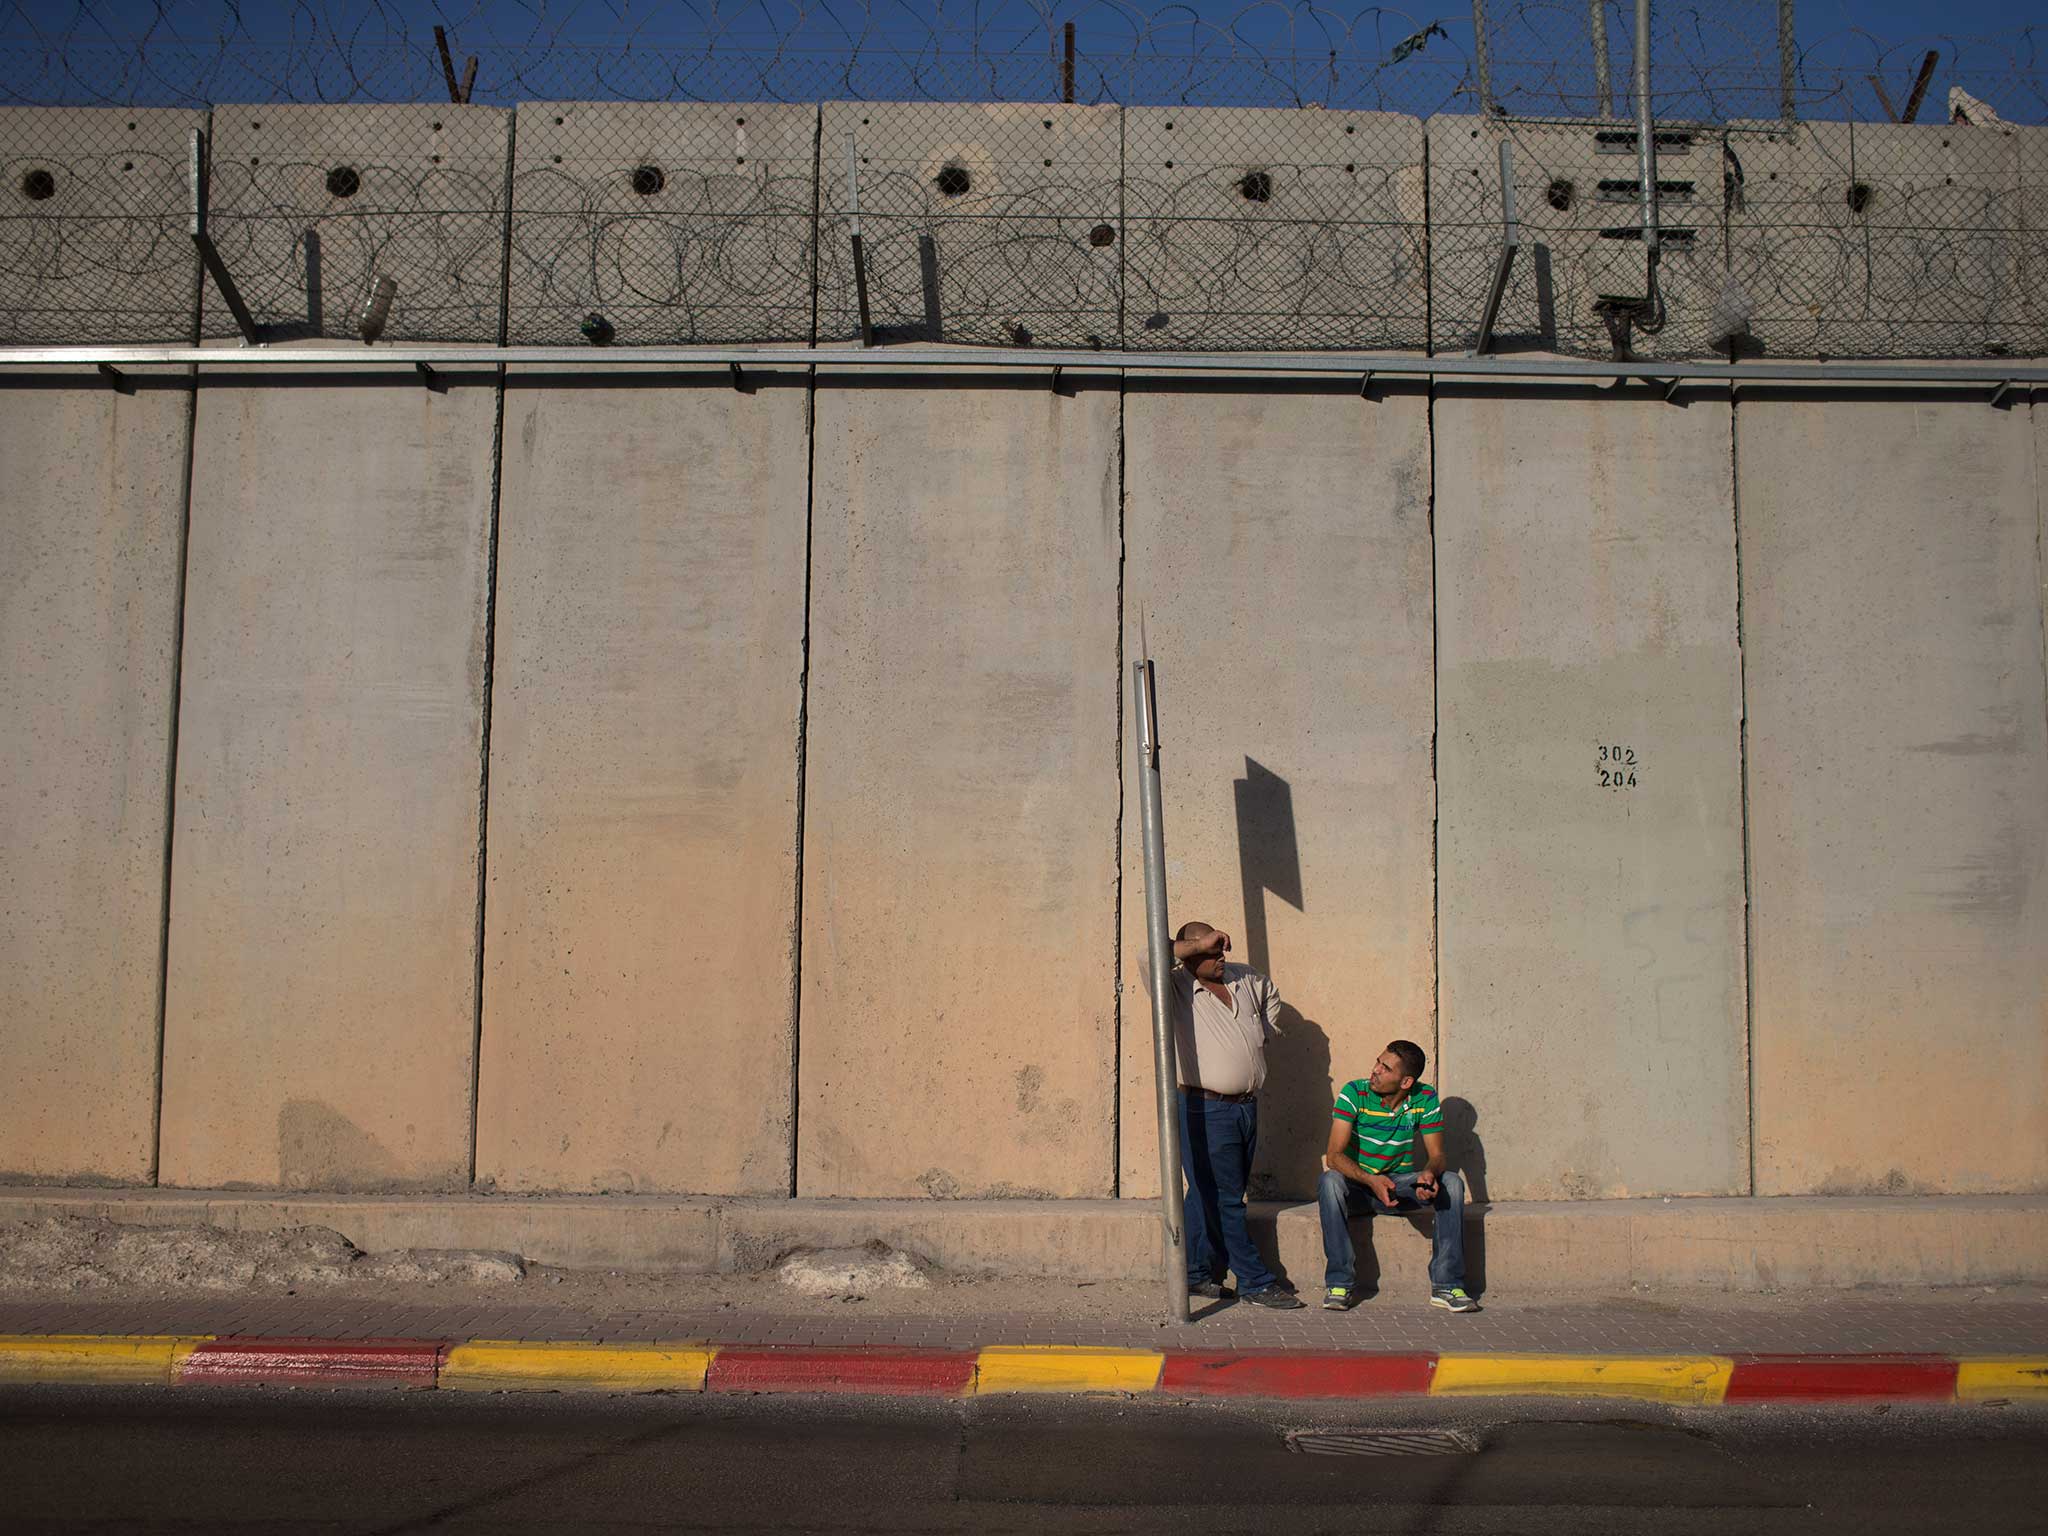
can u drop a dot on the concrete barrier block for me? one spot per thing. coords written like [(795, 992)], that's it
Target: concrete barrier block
[(1591, 881), (2033, 243), (1898, 795), (639, 948), (677, 222), (1941, 224), (1794, 242), (309, 206), (91, 513), (1018, 201), (1299, 803), (1094, 1239), (1578, 202), (1251, 230), (320, 1004), (94, 211), (961, 792)]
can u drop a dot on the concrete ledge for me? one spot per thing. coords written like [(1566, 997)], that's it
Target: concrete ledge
[(1725, 1244)]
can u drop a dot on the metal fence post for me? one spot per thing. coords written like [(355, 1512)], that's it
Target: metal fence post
[(1603, 87), (1161, 956), (1788, 60), (1482, 59)]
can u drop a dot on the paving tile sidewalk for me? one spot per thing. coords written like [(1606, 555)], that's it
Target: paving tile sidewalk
[(1959, 1322)]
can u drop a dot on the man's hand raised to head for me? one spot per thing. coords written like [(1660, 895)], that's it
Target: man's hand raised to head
[(1199, 946)]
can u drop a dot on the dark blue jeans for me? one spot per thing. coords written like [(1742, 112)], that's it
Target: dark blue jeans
[(1341, 1199), (1217, 1141)]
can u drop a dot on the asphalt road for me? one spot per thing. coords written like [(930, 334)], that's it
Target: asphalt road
[(105, 1459)]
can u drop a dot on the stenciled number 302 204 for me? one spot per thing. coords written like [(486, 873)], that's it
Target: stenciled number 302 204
[(1617, 767)]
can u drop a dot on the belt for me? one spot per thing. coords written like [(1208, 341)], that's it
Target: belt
[(1220, 1098)]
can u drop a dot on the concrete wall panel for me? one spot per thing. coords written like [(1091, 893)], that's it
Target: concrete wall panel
[(90, 514), (1014, 198), (1578, 237), (677, 223), (1898, 796), (1278, 559), (94, 210), (320, 1008), (310, 205), (639, 949), (1592, 960), (959, 865), (1254, 229)]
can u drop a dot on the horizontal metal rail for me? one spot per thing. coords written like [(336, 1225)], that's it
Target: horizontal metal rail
[(1991, 373)]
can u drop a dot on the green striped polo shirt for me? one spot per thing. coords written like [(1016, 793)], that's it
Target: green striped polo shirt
[(1383, 1139)]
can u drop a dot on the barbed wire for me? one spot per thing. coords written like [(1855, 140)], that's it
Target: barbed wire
[(1290, 177)]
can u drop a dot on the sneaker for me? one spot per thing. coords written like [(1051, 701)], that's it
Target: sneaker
[(1339, 1298), (1453, 1298), (1274, 1296), (1210, 1290)]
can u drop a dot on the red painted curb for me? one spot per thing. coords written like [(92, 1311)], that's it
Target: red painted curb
[(1219, 1373), (899, 1372), (1817, 1378), (241, 1362)]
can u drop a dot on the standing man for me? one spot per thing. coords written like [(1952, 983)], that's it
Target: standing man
[(1370, 1170), (1222, 1014)]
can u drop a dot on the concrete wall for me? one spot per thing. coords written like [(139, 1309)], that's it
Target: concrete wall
[(1898, 795), (320, 1007), (639, 936), (1589, 701), (1277, 559), (91, 509), (959, 857)]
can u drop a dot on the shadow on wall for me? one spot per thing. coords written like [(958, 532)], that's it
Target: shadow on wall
[(1294, 1108)]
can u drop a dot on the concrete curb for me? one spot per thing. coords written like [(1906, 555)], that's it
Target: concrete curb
[(494, 1365)]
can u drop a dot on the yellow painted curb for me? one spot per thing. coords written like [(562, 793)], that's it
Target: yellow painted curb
[(506, 1365), (1659, 1378), (95, 1357), (2007, 1376), (1066, 1368)]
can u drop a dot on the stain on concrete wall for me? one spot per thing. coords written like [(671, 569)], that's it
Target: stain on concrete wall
[(1589, 777), (639, 952), (320, 1004), (1898, 795), (959, 861), (90, 512), (1277, 554)]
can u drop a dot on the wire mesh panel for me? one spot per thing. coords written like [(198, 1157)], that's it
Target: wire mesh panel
[(1578, 198), (312, 206), (1789, 245), (1264, 229), (94, 231), (980, 224), (672, 224), (2033, 158)]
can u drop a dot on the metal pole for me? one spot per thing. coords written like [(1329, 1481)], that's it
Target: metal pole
[(1482, 60), (1067, 68), (1646, 136), (1788, 60), (860, 258), (1161, 946), (1603, 87)]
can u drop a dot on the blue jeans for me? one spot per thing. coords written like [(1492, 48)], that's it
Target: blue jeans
[(1217, 1141), (1341, 1199)]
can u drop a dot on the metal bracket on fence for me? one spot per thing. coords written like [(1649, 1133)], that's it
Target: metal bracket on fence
[(2006, 387), (208, 256), (860, 261), (1365, 385), (928, 278), (1671, 390), (432, 379), (1055, 378), (1510, 241), (120, 381), (739, 379)]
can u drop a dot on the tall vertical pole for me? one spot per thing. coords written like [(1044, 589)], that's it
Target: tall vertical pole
[(1482, 57), (1161, 947), (1603, 87), (1646, 136), (1067, 68), (1788, 61)]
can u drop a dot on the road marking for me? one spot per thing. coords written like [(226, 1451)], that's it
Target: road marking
[(2007, 1376), (90, 1357), (501, 1365), (1066, 1368), (1657, 1378)]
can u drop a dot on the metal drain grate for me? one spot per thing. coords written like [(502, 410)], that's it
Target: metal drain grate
[(1382, 1442)]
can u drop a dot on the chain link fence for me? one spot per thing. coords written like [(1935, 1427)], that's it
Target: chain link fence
[(1288, 179)]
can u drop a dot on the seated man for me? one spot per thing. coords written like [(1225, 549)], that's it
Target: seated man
[(1370, 1170)]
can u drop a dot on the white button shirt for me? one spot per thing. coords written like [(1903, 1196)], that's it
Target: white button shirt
[(1223, 1049)]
